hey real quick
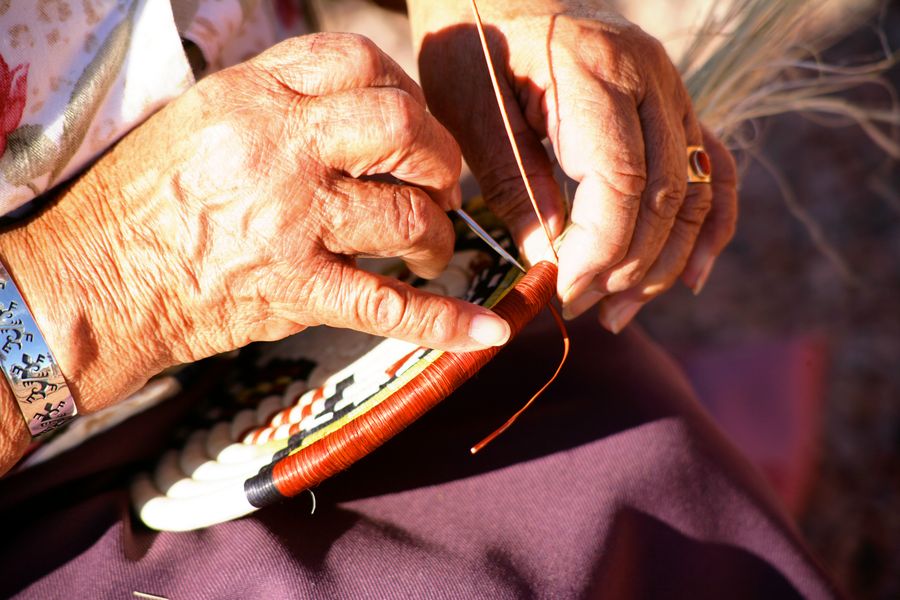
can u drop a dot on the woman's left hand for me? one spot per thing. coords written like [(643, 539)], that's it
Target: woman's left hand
[(619, 119)]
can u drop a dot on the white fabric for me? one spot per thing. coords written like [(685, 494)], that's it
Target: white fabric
[(92, 75), (88, 72)]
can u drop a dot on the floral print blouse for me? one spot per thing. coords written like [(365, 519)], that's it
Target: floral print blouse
[(76, 75)]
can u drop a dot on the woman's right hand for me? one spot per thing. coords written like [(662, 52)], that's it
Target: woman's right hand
[(233, 215)]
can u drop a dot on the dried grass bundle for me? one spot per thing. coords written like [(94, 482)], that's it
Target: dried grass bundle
[(758, 58)]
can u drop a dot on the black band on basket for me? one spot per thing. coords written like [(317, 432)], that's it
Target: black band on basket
[(261, 490), (38, 386)]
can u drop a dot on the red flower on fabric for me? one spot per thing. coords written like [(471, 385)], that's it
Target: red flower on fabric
[(13, 89)]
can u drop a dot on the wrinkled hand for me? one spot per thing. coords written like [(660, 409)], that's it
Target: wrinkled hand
[(619, 119), (233, 215)]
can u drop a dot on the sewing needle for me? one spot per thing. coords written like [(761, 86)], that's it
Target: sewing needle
[(484, 235)]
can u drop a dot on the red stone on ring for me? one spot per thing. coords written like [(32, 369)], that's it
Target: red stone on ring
[(700, 163)]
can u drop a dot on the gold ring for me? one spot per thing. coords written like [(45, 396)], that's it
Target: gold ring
[(699, 165)]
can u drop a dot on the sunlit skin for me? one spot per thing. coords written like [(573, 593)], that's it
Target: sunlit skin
[(232, 216), (615, 110)]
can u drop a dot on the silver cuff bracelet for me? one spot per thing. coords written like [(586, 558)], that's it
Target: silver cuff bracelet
[(38, 386)]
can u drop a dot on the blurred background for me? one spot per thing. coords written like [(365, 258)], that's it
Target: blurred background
[(794, 344)]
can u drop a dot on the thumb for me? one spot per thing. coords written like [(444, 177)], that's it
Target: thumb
[(354, 299), (469, 110), (506, 194)]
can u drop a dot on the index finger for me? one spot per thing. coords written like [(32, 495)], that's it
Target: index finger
[(380, 131), (325, 63), (599, 143)]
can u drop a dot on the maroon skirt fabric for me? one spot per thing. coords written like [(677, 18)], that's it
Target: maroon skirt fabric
[(615, 484)]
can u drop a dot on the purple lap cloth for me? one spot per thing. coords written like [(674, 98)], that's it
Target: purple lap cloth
[(614, 485)]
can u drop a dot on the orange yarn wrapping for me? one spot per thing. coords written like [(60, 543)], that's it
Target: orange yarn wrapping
[(337, 451)]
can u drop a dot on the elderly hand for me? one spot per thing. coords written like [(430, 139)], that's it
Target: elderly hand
[(619, 119), (234, 214)]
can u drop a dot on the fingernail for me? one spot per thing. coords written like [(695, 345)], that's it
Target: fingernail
[(578, 287), (581, 304), (616, 318), (489, 330), (704, 275), (456, 197)]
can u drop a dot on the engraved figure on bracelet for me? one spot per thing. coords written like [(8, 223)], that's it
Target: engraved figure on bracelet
[(36, 381)]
